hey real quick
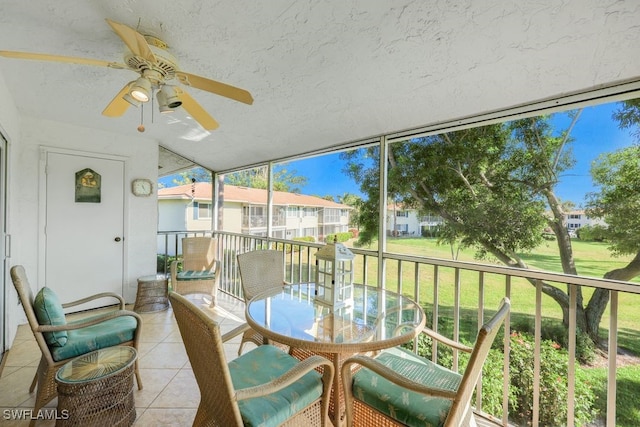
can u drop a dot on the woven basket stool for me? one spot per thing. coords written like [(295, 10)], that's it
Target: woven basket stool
[(96, 389), (152, 294)]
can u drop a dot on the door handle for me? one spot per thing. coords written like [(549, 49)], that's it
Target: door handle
[(117, 239)]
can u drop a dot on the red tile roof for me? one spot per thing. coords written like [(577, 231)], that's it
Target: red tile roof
[(255, 196)]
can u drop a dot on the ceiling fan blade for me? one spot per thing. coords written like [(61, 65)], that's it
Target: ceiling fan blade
[(134, 40), (213, 86), (196, 111), (58, 58), (118, 105)]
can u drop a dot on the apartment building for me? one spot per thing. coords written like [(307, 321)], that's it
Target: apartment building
[(244, 210)]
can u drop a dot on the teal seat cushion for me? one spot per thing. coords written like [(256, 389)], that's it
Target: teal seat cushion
[(102, 335), (195, 275), (49, 311), (262, 365), (412, 409)]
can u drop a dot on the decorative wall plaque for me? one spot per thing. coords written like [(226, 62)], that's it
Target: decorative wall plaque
[(88, 186)]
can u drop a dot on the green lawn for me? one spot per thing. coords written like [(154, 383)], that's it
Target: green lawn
[(592, 259)]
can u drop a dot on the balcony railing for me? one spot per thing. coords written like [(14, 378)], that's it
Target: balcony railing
[(438, 285)]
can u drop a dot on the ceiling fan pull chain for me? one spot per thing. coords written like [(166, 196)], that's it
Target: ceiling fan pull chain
[(141, 127)]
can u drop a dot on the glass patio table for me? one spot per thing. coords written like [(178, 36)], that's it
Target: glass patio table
[(377, 319)]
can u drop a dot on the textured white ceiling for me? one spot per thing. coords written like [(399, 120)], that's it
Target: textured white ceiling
[(322, 73)]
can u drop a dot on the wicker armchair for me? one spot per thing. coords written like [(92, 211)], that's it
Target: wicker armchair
[(260, 271), (392, 388), (200, 268), (264, 386), (61, 341)]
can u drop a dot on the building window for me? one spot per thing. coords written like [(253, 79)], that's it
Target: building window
[(404, 214), (202, 210), (575, 216), (310, 212), (331, 215), (293, 211)]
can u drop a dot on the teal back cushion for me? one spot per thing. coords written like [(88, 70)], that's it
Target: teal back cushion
[(49, 311)]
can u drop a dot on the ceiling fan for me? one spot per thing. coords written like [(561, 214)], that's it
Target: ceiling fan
[(148, 56)]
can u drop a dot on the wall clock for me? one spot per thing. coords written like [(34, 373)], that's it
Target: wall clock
[(141, 187)]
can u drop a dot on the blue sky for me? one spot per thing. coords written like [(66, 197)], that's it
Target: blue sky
[(594, 133)]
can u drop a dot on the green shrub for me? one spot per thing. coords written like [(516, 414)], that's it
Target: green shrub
[(341, 237), (592, 233), (553, 380), (555, 331), (430, 232), (553, 384), (161, 259), (287, 247), (305, 239)]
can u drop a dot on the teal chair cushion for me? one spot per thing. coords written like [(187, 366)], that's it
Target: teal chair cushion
[(262, 365), (407, 407), (195, 275), (102, 335), (49, 311)]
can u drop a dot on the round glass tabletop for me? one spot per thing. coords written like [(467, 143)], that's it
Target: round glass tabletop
[(97, 364), (375, 319)]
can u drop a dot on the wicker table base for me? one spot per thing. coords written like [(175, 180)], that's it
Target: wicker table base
[(96, 389), (152, 294), (337, 412)]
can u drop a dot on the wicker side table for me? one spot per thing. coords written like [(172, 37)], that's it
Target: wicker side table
[(152, 294), (96, 389)]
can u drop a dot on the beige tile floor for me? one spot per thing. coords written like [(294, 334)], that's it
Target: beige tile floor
[(170, 396)]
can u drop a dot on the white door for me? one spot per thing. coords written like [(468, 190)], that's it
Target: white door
[(84, 226)]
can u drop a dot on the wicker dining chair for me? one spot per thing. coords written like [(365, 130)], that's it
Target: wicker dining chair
[(264, 386), (260, 271), (61, 340), (200, 268), (393, 388)]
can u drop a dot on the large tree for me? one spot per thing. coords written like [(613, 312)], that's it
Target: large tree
[(617, 202), (494, 188)]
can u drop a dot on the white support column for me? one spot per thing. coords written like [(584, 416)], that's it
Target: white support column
[(269, 199), (382, 217)]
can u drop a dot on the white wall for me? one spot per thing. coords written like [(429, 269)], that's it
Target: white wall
[(412, 221), (26, 137), (232, 217), (10, 129), (173, 215)]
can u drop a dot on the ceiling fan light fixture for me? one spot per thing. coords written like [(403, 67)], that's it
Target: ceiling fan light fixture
[(141, 89), (163, 105), (131, 100), (170, 95)]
